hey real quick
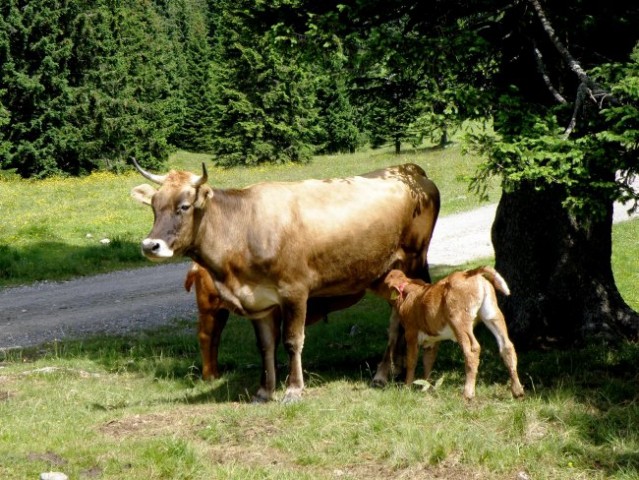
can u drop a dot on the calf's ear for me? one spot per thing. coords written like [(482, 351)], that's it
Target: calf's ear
[(143, 193)]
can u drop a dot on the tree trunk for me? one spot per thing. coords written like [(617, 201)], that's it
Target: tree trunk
[(559, 271)]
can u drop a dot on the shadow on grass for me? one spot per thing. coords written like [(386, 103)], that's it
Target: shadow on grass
[(601, 380), (50, 260)]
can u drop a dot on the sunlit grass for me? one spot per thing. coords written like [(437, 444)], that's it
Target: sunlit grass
[(134, 408)]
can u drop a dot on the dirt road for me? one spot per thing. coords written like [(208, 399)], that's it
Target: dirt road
[(138, 299)]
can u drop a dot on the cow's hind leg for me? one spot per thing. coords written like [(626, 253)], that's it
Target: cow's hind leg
[(267, 333)]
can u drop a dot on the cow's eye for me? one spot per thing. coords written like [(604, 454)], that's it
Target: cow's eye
[(184, 208)]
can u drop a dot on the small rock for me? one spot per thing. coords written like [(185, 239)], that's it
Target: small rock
[(53, 476), (89, 235), (105, 241), (522, 476)]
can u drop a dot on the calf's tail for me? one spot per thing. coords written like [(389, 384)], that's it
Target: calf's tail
[(493, 277)]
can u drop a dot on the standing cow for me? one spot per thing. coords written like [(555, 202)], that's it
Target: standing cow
[(273, 248), (213, 315)]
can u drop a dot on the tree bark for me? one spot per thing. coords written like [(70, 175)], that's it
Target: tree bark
[(559, 271)]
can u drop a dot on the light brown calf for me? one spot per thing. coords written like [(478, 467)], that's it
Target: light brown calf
[(449, 310)]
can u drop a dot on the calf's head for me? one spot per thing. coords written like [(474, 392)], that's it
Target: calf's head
[(394, 284), (177, 204)]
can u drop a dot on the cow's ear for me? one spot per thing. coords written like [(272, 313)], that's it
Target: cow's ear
[(143, 193), (203, 194)]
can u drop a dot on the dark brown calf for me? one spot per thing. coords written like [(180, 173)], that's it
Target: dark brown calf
[(449, 310), (212, 318)]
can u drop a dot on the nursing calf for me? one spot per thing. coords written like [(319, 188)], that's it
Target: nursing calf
[(449, 310)]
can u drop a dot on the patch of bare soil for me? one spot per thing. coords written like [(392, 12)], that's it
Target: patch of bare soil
[(253, 452)]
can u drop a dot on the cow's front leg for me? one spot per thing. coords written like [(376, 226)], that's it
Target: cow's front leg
[(294, 318), (267, 334)]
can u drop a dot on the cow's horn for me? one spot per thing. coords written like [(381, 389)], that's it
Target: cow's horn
[(197, 181), (159, 179)]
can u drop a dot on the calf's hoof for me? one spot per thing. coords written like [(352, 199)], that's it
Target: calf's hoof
[(518, 392)]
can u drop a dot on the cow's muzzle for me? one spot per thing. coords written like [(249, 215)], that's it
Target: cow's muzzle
[(156, 249)]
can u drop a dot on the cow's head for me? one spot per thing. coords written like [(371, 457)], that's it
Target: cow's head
[(176, 206)]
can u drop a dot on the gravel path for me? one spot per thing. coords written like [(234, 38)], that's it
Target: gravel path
[(134, 300)]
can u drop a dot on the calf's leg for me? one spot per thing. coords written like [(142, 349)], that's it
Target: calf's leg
[(385, 367), (463, 331), (210, 326), (428, 358), (412, 351), (497, 325)]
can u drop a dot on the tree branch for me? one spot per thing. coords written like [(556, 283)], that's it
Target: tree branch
[(542, 70), (563, 51), (587, 86)]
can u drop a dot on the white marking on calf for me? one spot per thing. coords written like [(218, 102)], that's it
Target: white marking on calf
[(445, 334)]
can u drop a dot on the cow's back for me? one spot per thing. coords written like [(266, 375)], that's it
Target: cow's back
[(345, 233)]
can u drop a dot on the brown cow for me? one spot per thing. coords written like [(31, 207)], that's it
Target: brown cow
[(275, 247), (212, 315), (449, 310)]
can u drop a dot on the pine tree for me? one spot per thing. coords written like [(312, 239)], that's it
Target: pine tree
[(35, 52), (191, 25), (125, 99), (264, 93)]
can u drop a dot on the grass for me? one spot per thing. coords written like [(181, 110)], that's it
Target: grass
[(134, 408), (52, 228)]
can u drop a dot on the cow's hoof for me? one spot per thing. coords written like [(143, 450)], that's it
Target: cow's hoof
[(292, 395), (518, 392), (257, 399), (262, 396)]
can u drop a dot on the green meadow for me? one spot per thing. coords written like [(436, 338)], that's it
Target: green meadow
[(134, 407)]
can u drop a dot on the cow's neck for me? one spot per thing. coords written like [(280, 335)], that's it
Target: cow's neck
[(221, 230)]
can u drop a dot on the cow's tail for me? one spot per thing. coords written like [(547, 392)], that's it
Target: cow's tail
[(490, 274)]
